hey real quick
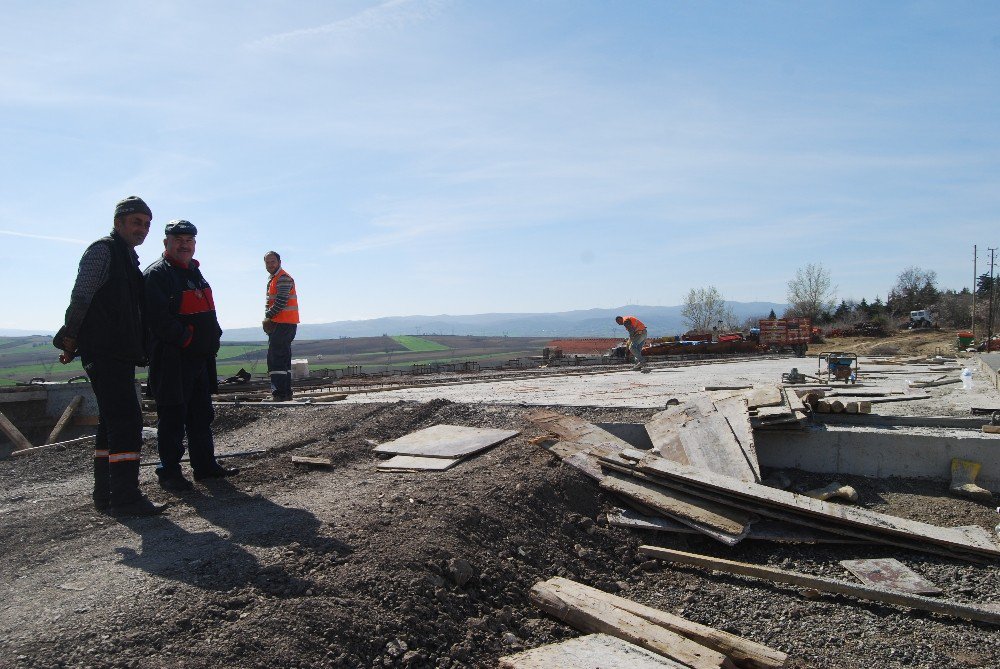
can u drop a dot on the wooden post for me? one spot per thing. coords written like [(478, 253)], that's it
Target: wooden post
[(14, 434), (73, 405)]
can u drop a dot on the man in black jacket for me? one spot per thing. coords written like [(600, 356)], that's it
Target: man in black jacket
[(184, 340), (104, 326)]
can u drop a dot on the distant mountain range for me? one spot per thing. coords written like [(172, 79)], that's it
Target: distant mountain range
[(661, 321)]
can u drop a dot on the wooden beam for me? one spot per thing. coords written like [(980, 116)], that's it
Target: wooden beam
[(73, 405), (743, 652), (19, 440), (950, 608), (35, 449), (836, 516), (589, 615)]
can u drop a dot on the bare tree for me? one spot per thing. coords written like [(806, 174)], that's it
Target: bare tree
[(704, 308), (811, 293), (914, 289)]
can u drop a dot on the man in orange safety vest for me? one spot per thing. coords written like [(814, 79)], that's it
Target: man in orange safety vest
[(281, 318), (636, 336)]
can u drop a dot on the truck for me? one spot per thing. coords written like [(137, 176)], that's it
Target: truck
[(922, 318), (786, 334)]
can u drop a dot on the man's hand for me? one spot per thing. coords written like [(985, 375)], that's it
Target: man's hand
[(69, 350), (268, 325)]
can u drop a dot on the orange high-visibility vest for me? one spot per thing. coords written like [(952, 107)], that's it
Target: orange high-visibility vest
[(290, 314), (633, 324)]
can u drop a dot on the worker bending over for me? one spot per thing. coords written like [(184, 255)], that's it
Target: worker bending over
[(636, 337)]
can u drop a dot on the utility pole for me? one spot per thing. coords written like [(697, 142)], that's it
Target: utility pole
[(989, 317), (974, 278)]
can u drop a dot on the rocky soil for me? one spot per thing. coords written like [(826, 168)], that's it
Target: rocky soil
[(291, 566)]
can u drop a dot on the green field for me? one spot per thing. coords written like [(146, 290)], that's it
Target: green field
[(418, 344)]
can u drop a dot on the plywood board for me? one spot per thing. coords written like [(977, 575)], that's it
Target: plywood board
[(417, 463), (445, 441), (891, 574), (697, 434), (579, 457), (593, 651)]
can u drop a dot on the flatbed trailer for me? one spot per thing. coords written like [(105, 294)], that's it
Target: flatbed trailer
[(786, 334)]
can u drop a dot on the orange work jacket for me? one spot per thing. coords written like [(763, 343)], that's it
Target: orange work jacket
[(290, 314), (633, 324)]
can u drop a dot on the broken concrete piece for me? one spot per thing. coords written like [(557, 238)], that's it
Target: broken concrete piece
[(833, 491)]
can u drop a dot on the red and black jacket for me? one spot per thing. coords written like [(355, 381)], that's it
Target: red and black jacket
[(180, 317)]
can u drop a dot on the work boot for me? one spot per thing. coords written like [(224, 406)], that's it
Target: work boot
[(216, 472), (173, 480), (140, 507), (176, 483)]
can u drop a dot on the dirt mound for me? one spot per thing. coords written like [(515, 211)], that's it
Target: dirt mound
[(291, 566), (904, 342)]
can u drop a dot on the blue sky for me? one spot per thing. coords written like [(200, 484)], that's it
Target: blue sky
[(425, 157)]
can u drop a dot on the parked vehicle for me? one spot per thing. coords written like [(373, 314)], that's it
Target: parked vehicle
[(786, 334), (922, 318)]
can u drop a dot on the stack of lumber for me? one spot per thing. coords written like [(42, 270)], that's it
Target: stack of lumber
[(669, 640), (775, 408), (703, 473), (829, 402)]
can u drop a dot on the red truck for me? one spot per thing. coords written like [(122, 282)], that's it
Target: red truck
[(783, 334)]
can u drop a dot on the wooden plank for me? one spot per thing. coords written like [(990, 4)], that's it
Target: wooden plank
[(735, 411), (765, 396), (579, 457), (68, 442), (445, 441), (577, 430), (761, 530), (683, 508), (743, 652), (890, 574), (73, 405), (589, 615), (311, 460), (19, 440), (593, 651), (991, 429), (407, 463), (871, 521), (973, 533), (951, 608), (696, 434)]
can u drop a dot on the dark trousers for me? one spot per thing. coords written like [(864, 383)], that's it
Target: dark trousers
[(119, 430), (279, 358), (193, 417)]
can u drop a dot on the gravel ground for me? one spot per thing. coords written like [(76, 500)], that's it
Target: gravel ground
[(289, 566)]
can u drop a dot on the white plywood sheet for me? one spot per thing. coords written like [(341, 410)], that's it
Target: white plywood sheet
[(417, 463), (594, 651), (445, 441)]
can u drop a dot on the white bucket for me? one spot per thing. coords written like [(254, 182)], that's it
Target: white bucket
[(300, 368), (966, 377)]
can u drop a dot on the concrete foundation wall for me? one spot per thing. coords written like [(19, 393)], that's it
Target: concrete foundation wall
[(989, 369), (879, 453)]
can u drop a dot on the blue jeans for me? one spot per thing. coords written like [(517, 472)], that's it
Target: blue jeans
[(635, 342)]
